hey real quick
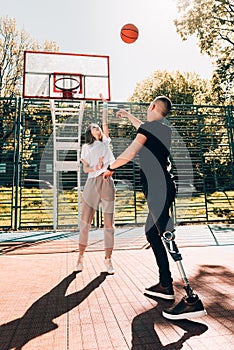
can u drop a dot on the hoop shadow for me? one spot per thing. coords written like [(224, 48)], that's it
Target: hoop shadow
[(144, 336), (38, 319)]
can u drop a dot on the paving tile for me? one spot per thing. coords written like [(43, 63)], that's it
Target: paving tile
[(46, 304)]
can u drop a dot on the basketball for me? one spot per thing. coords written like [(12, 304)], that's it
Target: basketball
[(129, 33)]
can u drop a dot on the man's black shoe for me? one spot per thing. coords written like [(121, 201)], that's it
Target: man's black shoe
[(187, 308), (161, 292)]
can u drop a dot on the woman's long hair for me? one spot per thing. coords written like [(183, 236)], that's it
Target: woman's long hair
[(89, 139)]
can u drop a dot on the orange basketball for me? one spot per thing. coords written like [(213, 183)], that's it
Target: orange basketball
[(129, 33)]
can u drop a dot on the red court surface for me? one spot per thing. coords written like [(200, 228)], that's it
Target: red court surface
[(46, 304)]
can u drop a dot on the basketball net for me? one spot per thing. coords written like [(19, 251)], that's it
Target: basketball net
[(68, 94)]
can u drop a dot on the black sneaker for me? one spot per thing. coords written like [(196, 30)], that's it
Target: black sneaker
[(161, 292), (187, 308)]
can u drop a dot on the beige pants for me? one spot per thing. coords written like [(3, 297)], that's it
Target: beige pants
[(97, 191)]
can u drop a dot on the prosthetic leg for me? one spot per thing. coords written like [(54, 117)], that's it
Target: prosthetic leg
[(190, 306)]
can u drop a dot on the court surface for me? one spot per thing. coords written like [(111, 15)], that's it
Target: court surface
[(47, 304)]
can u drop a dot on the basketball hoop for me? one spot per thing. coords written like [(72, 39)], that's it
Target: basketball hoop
[(67, 85), (43, 69)]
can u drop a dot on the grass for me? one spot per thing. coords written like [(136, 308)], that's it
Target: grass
[(37, 207)]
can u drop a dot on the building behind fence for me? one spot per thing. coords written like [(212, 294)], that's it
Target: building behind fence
[(202, 163)]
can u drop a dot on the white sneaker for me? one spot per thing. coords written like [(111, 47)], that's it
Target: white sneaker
[(109, 267), (80, 263)]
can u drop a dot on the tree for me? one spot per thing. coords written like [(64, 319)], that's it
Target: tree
[(190, 120), (13, 43), (212, 21), (186, 88)]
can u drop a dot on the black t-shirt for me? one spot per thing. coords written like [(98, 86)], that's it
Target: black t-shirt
[(154, 155)]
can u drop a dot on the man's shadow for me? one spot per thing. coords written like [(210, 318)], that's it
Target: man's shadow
[(144, 336), (38, 319)]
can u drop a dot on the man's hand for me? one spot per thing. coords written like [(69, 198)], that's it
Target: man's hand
[(122, 113), (107, 174)]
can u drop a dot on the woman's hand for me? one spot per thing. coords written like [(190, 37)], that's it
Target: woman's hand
[(86, 167), (103, 99), (100, 164)]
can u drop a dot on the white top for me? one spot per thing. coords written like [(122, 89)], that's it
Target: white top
[(92, 153)]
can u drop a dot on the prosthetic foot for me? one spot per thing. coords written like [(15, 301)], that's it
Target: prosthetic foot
[(190, 306)]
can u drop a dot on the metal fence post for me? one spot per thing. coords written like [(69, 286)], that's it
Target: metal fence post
[(17, 162), (230, 134), (202, 160)]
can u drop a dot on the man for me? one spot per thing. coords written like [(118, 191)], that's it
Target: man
[(153, 143)]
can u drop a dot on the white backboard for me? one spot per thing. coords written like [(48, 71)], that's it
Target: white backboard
[(42, 68)]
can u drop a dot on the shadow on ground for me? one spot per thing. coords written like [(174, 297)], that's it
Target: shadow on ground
[(38, 319), (207, 282), (145, 337), (23, 243)]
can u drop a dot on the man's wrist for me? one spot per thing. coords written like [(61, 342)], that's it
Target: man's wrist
[(109, 168)]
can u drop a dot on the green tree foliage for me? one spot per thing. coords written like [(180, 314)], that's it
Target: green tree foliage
[(186, 88), (190, 120), (212, 22), (13, 43)]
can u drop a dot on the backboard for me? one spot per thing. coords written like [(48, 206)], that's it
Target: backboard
[(58, 75)]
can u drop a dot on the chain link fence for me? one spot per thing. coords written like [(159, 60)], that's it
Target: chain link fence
[(202, 163)]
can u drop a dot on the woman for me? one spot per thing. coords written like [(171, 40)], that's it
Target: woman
[(96, 154)]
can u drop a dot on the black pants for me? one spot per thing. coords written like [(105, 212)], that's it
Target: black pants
[(159, 200)]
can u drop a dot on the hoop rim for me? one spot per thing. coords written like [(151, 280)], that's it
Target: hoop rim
[(67, 89)]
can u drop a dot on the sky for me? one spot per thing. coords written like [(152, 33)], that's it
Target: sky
[(93, 27)]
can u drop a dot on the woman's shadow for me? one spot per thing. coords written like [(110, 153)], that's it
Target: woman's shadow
[(38, 319), (144, 336)]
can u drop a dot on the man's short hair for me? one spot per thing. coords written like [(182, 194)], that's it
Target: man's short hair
[(167, 103)]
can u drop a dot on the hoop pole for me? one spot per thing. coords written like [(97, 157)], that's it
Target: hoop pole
[(55, 199), (81, 114)]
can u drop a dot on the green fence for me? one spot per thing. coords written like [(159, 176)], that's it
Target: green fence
[(202, 161)]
